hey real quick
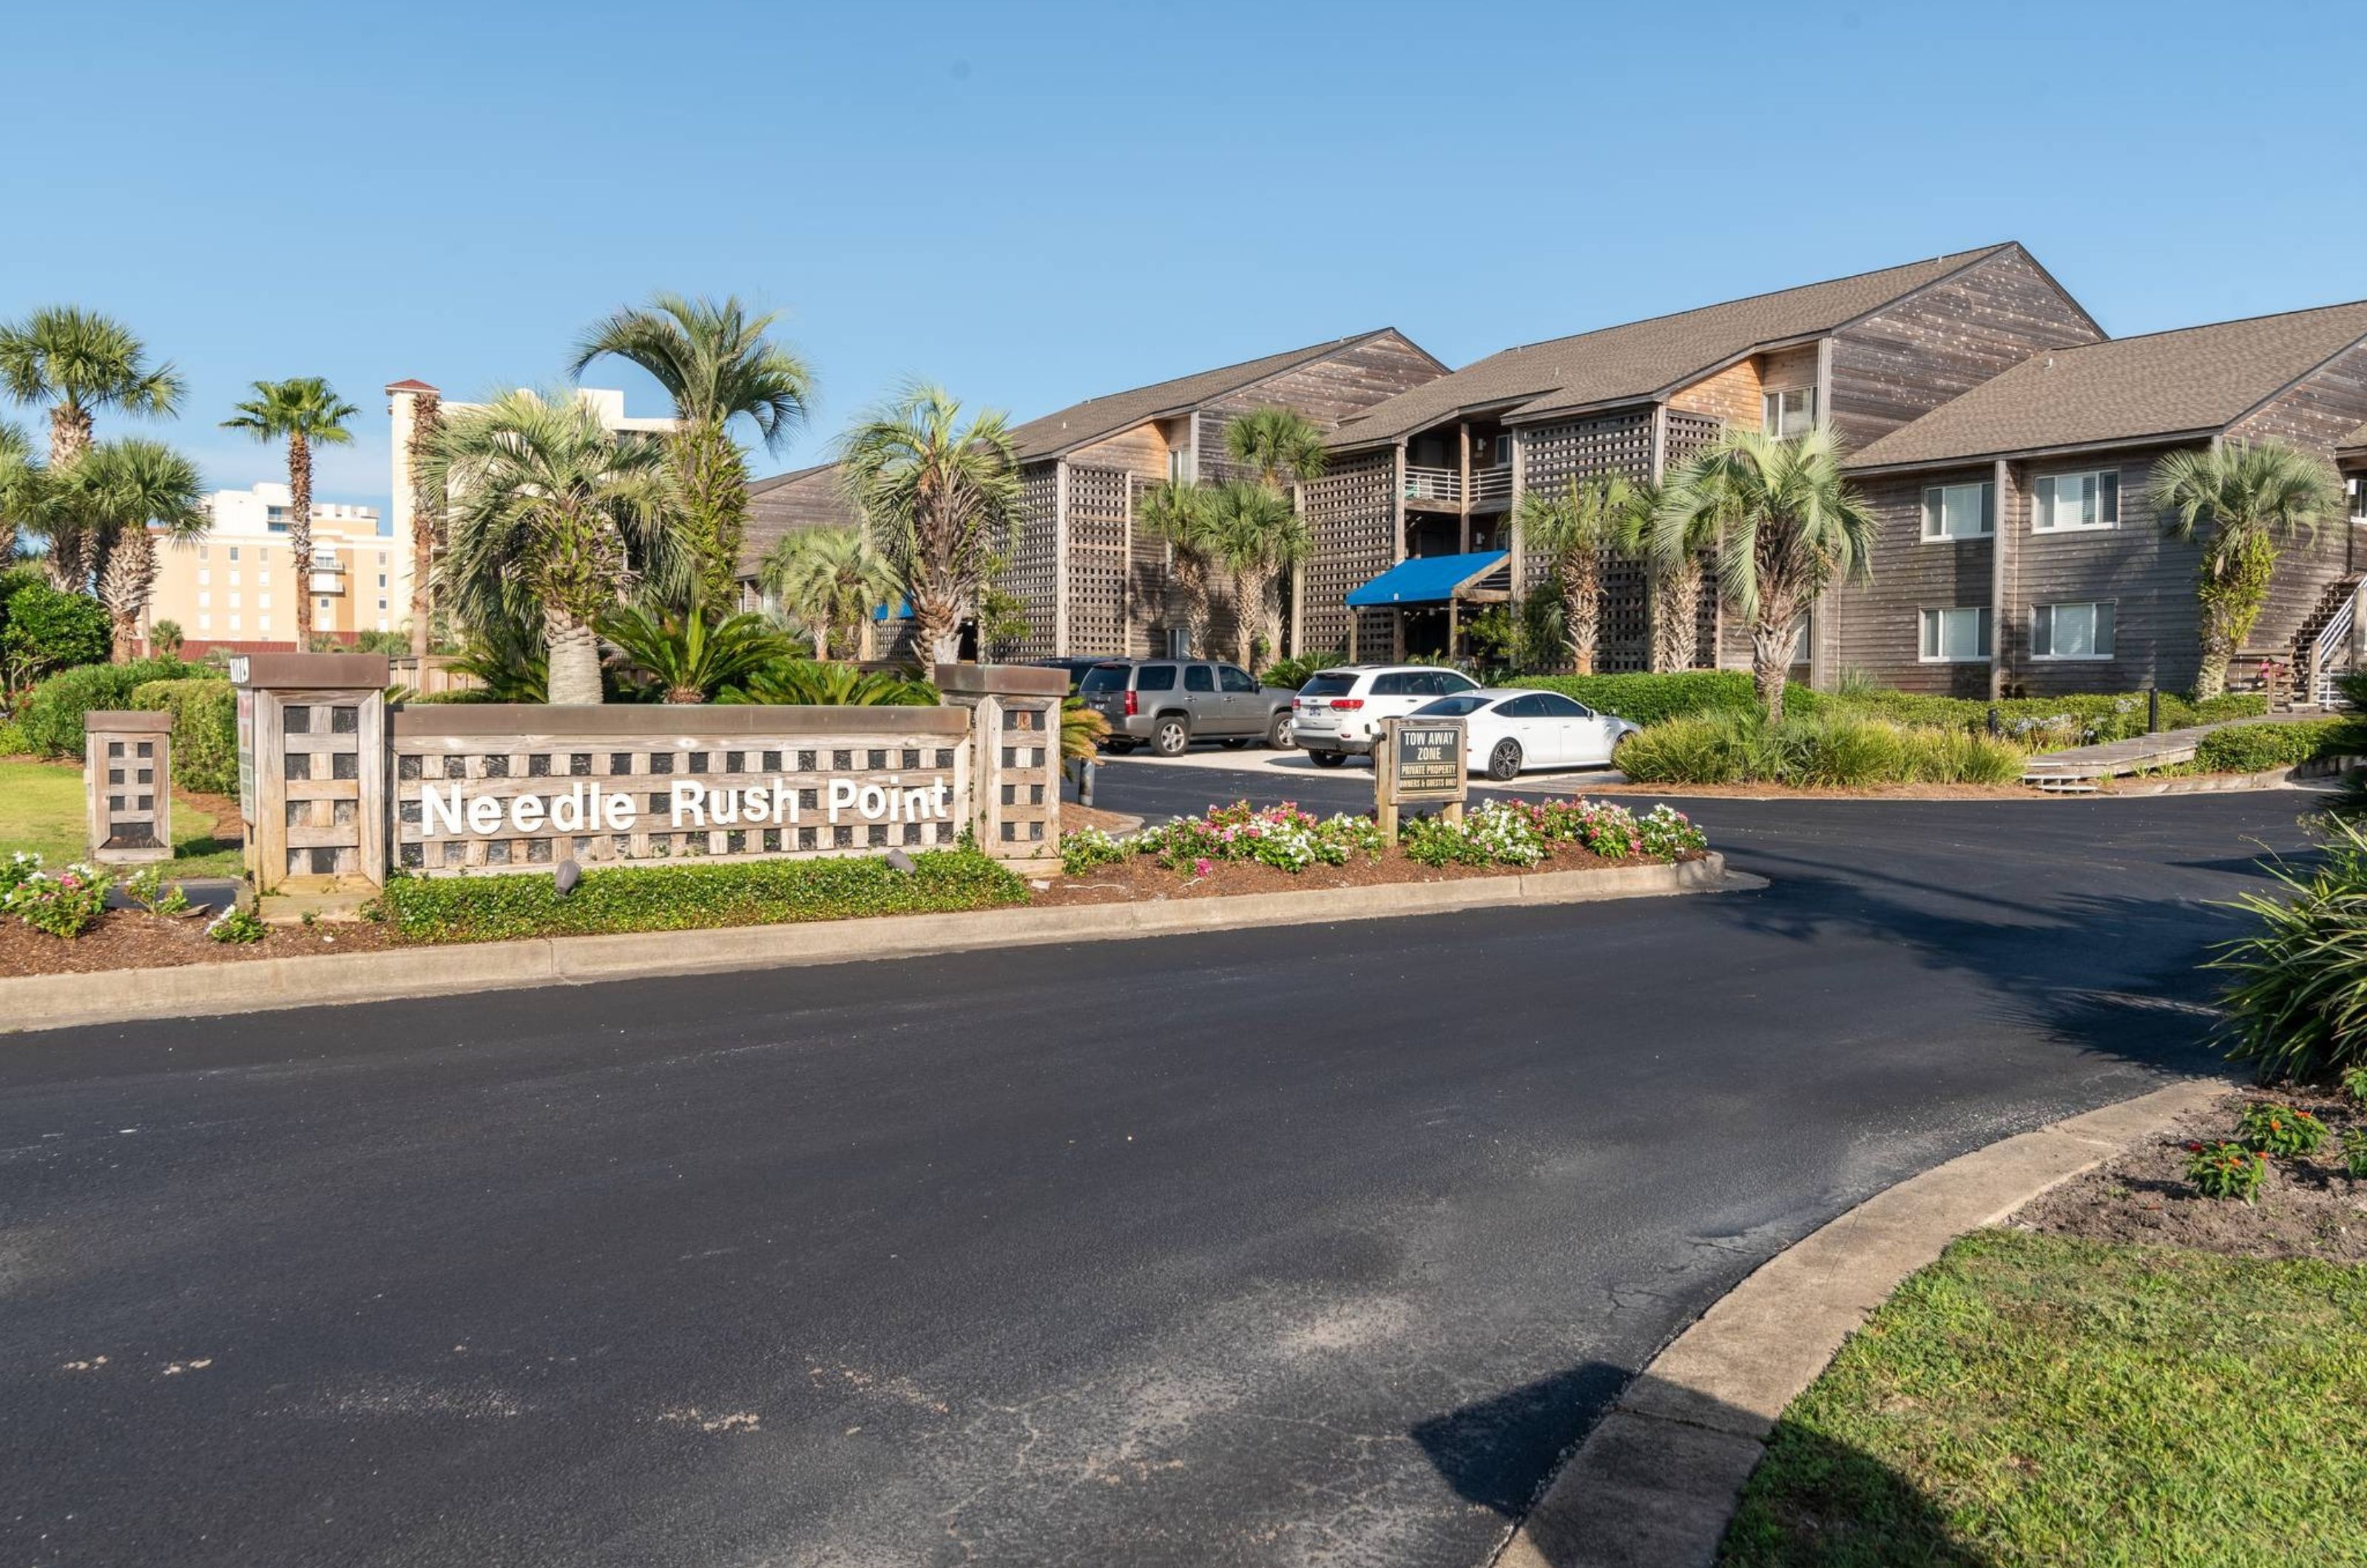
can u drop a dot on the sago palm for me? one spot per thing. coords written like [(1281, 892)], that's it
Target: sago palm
[(810, 682), (125, 494), (1258, 537), (1785, 524), (1569, 528), (828, 580), (691, 656), (302, 410), (2242, 499), (1181, 516), (714, 361), (552, 521), (940, 497), (79, 362)]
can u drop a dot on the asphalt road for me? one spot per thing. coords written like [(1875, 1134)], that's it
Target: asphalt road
[(1281, 1247)]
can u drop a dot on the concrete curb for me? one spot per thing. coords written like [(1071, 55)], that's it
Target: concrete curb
[(2300, 775), (1657, 1479), (192, 991)]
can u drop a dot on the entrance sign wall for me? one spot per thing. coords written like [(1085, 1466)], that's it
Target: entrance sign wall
[(336, 785)]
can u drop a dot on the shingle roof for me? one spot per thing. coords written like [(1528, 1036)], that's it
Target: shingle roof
[(2354, 442), (1081, 425), (2193, 380), (1645, 360)]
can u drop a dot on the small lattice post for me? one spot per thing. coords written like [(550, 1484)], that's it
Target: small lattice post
[(128, 786), (1015, 737), (312, 768)]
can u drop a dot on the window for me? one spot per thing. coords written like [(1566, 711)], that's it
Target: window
[(1955, 636), (1531, 706), (204, 576), (381, 603), (1231, 677), (1330, 683), (1399, 684), (1960, 512), (2358, 488), (233, 552), (1800, 645), (1504, 450), (1103, 678), (204, 599), (1179, 465), (2071, 631), (1155, 678), (2076, 500), (382, 580), (1457, 706), (1558, 706), (1790, 411), (1199, 678)]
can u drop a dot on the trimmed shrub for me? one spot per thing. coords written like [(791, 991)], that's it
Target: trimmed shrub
[(2256, 748), (1836, 749), (1653, 699), (51, 716), (13, 742), (205, 729), (42, 629), (689, 896)]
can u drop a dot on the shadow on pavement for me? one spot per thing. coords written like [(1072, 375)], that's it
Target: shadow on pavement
[(1651, 1488)]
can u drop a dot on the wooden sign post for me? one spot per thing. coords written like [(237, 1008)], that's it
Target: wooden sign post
[(1419, 761), (128, 786)]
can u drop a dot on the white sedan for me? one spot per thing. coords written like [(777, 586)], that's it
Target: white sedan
[(1509, 728)]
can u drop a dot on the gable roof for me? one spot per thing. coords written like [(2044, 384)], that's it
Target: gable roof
[(2356, 442), (1082, 424), (2190, 382), (1639, 361)]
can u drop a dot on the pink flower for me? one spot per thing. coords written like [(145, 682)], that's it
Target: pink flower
[(1200, 867)]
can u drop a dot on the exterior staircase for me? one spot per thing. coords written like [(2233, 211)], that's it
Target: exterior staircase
[(2321, 648)]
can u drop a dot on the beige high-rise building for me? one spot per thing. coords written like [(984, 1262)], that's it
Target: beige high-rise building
[(235, 585)]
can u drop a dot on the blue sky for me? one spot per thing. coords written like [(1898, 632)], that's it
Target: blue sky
[(1037, 203)]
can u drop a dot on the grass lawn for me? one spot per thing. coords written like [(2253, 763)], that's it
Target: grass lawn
[(41, 810), (2034, 1399)]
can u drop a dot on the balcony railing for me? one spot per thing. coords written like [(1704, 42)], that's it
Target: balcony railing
[(1444, 487)]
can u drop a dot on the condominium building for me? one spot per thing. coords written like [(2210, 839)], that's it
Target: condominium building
[(235, 586)]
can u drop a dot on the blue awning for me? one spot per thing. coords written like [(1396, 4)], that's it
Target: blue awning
[(904, 611), (1426, 580)]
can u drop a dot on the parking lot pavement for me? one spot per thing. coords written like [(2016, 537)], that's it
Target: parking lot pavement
[(1296, 764)]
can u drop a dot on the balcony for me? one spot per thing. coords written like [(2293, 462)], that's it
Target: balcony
[(1490, 487)]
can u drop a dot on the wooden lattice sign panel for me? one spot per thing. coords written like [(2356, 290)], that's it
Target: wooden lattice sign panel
[(128, 786), (311, 738)]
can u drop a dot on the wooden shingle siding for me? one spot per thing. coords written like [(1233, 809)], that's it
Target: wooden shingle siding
[(1325, 392), (1877, 625), (2315, 415), (1141, 450), (1731, 396), (1910, 358), (2147, 575)]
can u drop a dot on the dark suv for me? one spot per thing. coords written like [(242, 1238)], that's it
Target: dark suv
[(1170, 703)]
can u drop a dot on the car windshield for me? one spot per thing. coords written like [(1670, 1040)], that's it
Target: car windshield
[(1455, 706), (1103, 678), (1330, 683)]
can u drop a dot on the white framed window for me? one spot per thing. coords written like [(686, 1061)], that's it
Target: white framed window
[(233, 554), (233, 623), (1179, 465), (205, 575), (233, 579), (2356, 485), (2060, 502), (233, 601), (1958, 636), (2071, 631), (1960, 512), (1789, 410), (1801, 654), (204, 599), (381, 604), (205, 623), (1504, 450)]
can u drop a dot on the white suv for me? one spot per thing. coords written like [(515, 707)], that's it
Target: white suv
[(1340, 711)]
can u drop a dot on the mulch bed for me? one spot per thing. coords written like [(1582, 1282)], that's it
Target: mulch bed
[(1142, 877), (126, 938), (2308, 1206)]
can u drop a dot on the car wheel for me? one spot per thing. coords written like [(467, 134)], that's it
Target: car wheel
[(1327, 758), (1504, 762), (1620, 745), (1116, 748), (1279, 734), (1173, 735)]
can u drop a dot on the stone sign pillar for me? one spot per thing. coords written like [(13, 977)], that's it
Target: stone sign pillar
[(128, 786), (1015, 738), (312, 768)]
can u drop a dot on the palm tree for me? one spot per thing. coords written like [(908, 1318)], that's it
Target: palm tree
[(828, 580), (1786, 524), (124, 494), (1181, 513), (2244, 497), (78, 362), (810, 682), (1258, 537), (165, 637), (1675, 586), (940, 498), (300, 411), (713, 360), (1277, 447), (553, 520), (691, 657), (21, 477), (1569, 529)]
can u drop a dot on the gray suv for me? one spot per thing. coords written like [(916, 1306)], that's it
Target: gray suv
[(1167, 703)]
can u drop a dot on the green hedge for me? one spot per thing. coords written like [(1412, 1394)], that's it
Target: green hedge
[(1838, 750), (205, 729), (2256, 748), (51, 716), (2036, 722), (687, 896)]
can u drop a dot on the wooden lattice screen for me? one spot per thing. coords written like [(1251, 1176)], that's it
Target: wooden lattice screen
[(1352, 518), (1099, 500), (1554, 455), (1033, 574)]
